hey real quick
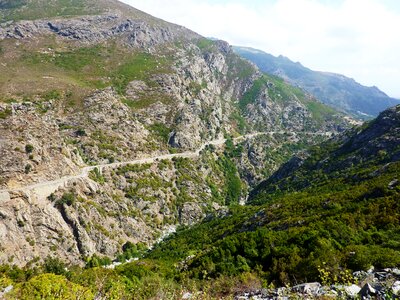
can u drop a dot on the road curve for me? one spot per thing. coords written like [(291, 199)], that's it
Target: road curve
[(48, 187)]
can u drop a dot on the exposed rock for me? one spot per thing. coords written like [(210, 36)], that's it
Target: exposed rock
[(307, 288), (190, 213), (352, 290), (396, 287), (6, 290), (367, 291), (187, 97)]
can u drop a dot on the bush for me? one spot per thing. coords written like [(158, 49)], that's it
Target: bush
[(67, 198), (28, 168), (50, 286), (54, 265), (29, 148)]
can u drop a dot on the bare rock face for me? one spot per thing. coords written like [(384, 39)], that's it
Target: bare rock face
[(31, 227), (96, 29), (190, 214)]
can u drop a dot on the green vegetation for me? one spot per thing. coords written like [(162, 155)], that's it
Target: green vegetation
[(314, 226), (29, 10), (66, 199), (8, 4), (252, 94), (79, 70), (50, 286), (239, 69), (79, 58), (205, 45), (29, 148), (137, 67), (28, 168), (196, 87), (161, 130), (239, 121), (5, 113), (130, 250), (96, 175), (320, 111), (292, 234), (133, 168)]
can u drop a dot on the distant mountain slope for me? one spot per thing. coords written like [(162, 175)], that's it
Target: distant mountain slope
[(358, 155), (336, 90)]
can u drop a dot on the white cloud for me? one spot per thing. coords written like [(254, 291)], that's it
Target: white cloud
[(358, 38)]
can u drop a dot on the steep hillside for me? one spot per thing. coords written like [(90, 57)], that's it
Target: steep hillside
[(116, 127), (334, 213), (336, 90), (337, 210), (352, 156)]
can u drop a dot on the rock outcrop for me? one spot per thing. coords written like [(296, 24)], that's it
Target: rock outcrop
[(112, 86)]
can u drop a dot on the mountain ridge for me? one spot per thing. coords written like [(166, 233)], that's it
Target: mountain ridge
[(334, 89), (103, 89)]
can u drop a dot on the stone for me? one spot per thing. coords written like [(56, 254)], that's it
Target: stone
[(6, 290), (352, 290), (307, 288), (395, 271), (393, 184), (367, 291), (187, 295), (4, 196), (396, 287)]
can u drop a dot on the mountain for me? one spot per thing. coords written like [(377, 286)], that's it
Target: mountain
[(331, 211), (319, 217), (117, 127), (336, 90)]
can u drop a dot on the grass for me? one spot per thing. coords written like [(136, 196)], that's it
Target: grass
[(37, 69), (15, 10), (138, 67), (252, 94), (5, 113), (319, 110), (205, 45), (239, 68), (161, 130)]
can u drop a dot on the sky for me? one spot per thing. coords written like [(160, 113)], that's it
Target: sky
[(356, 38)]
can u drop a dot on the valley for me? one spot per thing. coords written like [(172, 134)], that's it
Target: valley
[(129, 141)]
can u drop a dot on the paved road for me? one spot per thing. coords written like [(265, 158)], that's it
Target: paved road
[(45, 188)]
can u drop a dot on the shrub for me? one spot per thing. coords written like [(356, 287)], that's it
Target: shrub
[(28, 168), (46, 286), (67, 198), (29, 148)]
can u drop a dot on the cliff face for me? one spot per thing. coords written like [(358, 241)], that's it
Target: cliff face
[(113, 86)]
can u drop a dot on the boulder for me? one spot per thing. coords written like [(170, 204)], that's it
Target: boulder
[(396, 287), (311, 288), (367, 291), (352, 290)]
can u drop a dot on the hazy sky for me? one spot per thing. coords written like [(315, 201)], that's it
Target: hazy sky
[(357, 38)]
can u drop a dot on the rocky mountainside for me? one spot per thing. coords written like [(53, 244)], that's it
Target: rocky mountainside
[(331, 216), (86, 87), (337, 230), (376, 143), (336, 90)]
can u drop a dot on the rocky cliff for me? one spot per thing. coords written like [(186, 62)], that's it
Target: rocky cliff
[(84, 92)]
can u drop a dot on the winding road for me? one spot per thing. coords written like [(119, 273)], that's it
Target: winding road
[(45, 188)]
